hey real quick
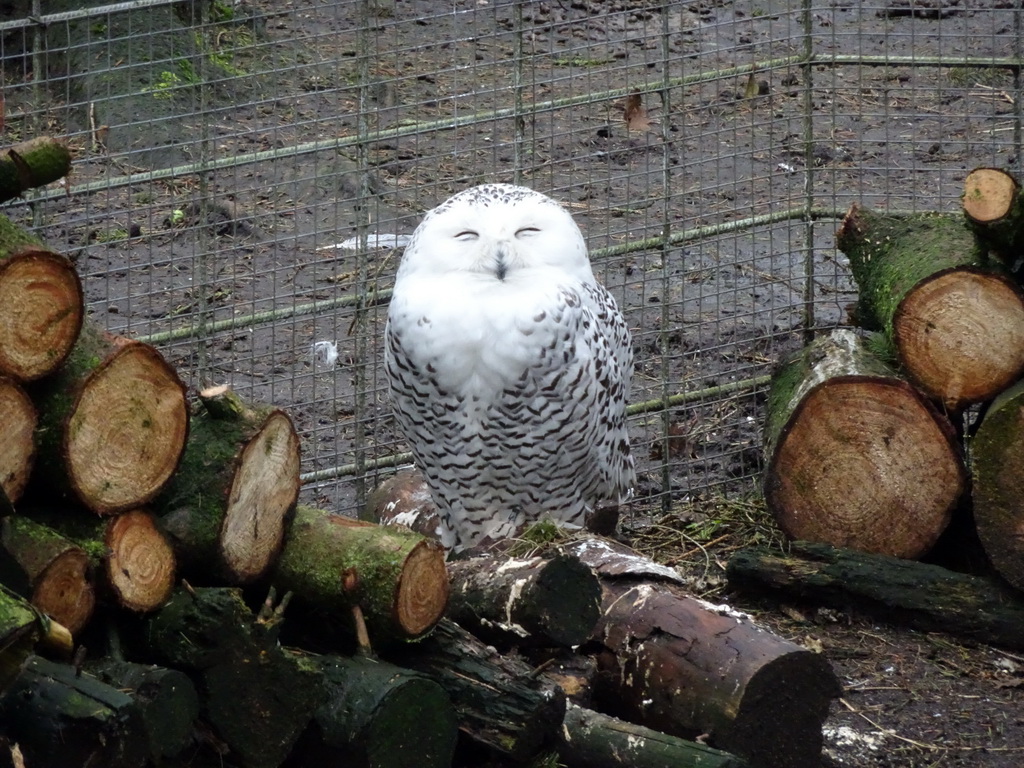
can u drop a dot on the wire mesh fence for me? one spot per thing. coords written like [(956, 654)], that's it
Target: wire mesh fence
[(246, 172)]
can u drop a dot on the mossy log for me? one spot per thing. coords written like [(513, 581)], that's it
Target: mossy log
[(686, 667), (133, 561), (500, 703), (954, 316), (257, 697), (594, 740), (900, 592), (22, 627), (48, 569), (227, 506), (537, 601), (33, 163), (379, 716), (997, 488), (166, 698), (41, 306), (60, 716), (17, 449), (994, 209), (332, 563), (855, 455), (113, 424)]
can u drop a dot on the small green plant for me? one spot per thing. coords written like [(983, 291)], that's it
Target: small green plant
[(167, 82), (221, 12), (112, 236)]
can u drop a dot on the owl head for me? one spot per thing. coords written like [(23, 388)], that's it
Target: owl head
[(498, 231)]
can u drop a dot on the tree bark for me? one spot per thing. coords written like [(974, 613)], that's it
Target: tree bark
[(33, 163), (500, 703), (855, 455), (901, 592), (41, 306), (404, 499), (539, 601), (227, 506), (17, 449), (954, 316), (997, 454), (258, 698), (593, 740), (49, 570), (113, 424), (166, 699), (59, 716), (687, 667), (400, 580), (379, 715)]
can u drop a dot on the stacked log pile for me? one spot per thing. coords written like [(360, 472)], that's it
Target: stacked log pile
[(146, 535), (878, 437)]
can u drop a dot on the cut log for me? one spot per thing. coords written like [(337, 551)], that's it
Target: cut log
[(227, 506), (166, 699), (41, 306), (593, 740), (855, 456), (133, 561), (113, 424), (955, 317), (500, 703), (377, 715), (901, 592), (258, 698), (60, 716), (49, 570), (994, 209), (33, 163), (404, 499), (686, 667), (17, 449), (997, 455), (538, 601), (402, 581)]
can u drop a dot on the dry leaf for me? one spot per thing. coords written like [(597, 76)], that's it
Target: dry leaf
[(635, 115)]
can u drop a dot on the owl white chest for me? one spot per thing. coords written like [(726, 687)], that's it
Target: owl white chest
[(477, 335)]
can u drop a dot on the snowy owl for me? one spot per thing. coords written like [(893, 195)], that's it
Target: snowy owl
[(509, 366)]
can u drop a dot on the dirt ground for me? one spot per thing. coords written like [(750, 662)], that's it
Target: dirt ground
[(896, 136)]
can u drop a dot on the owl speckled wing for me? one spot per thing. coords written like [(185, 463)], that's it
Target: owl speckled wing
[(508, 366)]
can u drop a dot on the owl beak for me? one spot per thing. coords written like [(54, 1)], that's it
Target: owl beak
[(501, 263)]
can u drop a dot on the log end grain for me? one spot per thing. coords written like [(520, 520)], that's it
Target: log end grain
[(141, 565), (65, 590), (960, 335), (127, 430), (865, 463), (264, 491), (49, 568), (801, 684), (989, 194), (41, 312), (422, 593), (17, 449)]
